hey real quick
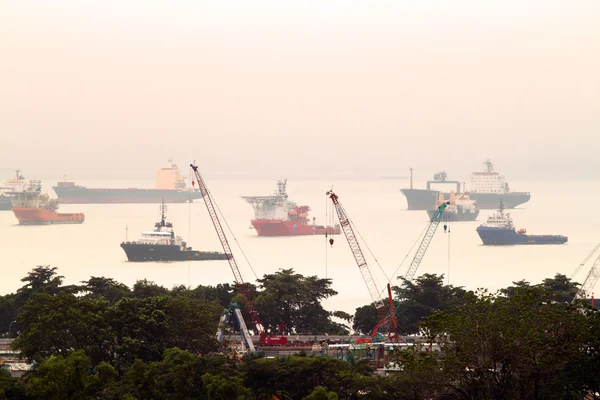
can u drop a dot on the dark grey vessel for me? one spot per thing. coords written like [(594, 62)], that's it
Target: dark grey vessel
[(162, 244)]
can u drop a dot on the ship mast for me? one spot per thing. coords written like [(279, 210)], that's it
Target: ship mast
[(163, 209)]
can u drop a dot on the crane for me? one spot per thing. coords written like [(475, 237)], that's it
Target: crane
[(431, 228), (239, 281), (237, 314), (382, 312), (591, 279)]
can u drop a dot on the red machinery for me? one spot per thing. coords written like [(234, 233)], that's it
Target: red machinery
[(385, 317), (242, 287)]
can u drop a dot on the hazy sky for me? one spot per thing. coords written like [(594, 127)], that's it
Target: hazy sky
[(305, 89)]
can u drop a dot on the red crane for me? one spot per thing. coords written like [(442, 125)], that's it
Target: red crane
[(385, 317), (242, 287)]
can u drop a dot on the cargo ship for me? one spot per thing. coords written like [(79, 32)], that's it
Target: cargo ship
[(486, 188), (461, 208), (170, 187), (32, 207), (500, 230), (162, 244), (16, 184), (277, 216)]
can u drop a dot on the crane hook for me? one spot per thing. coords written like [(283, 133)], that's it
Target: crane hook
[(331, 242)]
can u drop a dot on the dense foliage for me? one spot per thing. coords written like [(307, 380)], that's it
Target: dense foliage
[(103, 340)]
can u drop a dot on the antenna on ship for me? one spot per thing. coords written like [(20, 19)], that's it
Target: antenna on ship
[(163, 208), (411, 178), (488, 165)]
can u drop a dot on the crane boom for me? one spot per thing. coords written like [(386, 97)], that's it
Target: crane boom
[(433, 224), (258, 325), (359, 256), (590, 280)]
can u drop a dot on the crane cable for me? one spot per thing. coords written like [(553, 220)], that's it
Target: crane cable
[(584, 261), (230, 231)]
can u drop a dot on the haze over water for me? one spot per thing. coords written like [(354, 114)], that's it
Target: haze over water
[(376, 207)]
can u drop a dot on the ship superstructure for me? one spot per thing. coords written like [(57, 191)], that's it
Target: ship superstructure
[(276, 215), (170, 187), (161, 244), (16, 184)]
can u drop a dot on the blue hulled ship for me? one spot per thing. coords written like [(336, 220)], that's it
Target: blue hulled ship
[(499, 230)]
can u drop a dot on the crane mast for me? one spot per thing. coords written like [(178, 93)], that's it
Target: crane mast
[(258, 325), (360, 259), (590, 280), (433, 224)]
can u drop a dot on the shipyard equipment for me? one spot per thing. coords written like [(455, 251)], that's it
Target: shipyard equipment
[(243, 288)]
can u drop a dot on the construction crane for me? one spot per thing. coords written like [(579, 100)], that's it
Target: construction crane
[(433, 224), (225, 318), (242, 287), (382, 311), (591, 279)]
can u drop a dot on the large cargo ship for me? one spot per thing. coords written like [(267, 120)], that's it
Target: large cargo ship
[(170, 187), (161, 244), (16, 184), (460, 208), (486, 188), (32, 207), (277, 216), (499, 230)]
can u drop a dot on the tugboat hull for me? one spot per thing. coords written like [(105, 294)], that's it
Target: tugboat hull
[(139, 252), (500, 236)]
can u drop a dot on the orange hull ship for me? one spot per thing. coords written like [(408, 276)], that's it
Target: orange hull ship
[(32, 207), (45, 216)]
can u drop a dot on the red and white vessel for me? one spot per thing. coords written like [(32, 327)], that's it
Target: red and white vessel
[(277, 216), (32, 207)]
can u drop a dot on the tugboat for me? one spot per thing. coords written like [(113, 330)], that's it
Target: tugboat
[(32, 207), (499, 230), (460, 208), (277, 216), (161, 244)]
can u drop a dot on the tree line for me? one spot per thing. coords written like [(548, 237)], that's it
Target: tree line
[(104, 340)]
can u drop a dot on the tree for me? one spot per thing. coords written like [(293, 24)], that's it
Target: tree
[(365, 319), (192, 324), (320, 393), (107, 288), (419, 298), (145, 288), (140, 327), (11, 388), (58, 324), (510, 347), (62, 378), (295, 300), (560, 288)]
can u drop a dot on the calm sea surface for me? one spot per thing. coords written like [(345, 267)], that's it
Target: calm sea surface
[(377, 208)]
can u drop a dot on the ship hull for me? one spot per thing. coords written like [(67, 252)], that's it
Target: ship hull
[(455, 217), (43, 216), (137, 252), (421, 199), (268, 227), (82, 195), (499, 236)]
